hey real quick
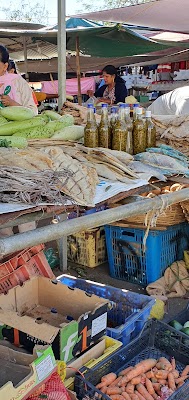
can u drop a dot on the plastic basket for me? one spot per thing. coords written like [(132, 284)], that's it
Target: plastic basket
[(111, 345), (155, 341), (36, 265), (15, 260), (128, 260), (130, 310), (182, 317), (88, 247)]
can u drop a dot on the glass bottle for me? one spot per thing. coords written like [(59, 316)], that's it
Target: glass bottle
[(135, 108), (129, 130), (119, 139), (150, 130), (104, 133), (139, 134), (91, 130), (113, 118)]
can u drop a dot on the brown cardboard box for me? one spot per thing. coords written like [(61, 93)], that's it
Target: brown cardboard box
[(22, 373), (46, 312)]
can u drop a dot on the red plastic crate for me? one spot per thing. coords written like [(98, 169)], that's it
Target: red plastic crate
[(15, 260), (37, 265)]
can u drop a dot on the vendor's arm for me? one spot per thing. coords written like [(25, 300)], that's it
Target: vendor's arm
[(7, 101), (25, 95)]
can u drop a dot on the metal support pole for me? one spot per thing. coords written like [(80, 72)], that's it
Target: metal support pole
[(61, 39), (25, 58), (68, 227), (78, 71)]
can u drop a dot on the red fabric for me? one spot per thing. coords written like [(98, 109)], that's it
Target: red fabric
[(164, 68), (182, 65), (54, 390)]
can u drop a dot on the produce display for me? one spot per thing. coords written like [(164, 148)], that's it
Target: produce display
[(179, 327), (19, 122), (148, 380)]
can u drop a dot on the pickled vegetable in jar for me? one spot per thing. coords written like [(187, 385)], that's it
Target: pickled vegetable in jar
[(139, 134), (104, 131), (150, 130), (91, 129), (119, 139), (129, 130)]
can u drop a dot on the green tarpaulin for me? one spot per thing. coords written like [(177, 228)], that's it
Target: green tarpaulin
[(113, 41)]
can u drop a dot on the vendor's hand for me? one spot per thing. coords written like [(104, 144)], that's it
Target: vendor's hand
[(90, 93), (6, 100)]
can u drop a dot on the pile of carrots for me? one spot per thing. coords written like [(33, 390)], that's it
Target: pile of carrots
[(150, 379)]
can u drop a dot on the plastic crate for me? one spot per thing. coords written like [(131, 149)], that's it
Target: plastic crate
[(128, 260), (15, 260), (130, 310), (182, 317), (111, 345), (155, 341), (88, 247), (36, 265)]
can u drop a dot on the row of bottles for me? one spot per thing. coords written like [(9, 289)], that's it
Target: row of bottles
[(120, 132)]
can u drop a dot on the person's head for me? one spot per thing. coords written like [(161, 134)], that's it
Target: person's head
[(4, 59), (12, 67), (109, 74)]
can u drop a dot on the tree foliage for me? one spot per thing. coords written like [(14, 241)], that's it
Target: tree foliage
[(26, 11), (107, 4)]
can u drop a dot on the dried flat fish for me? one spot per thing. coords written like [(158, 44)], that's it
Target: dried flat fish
[(81, 186), (31, 160), (114, 161)]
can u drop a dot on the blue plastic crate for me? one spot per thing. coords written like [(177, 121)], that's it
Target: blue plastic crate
[(130, 310), (129, 261), (155, 341)]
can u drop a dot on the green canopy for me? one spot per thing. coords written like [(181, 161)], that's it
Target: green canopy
[(115, 41)]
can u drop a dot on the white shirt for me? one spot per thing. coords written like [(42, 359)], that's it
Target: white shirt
[(175, 102)]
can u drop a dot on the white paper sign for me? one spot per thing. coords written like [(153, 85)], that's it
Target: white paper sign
[(99, 324), (44, 368)]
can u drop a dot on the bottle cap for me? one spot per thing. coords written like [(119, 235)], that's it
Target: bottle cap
[(104, 105), (126, 105), (148, 114), (139, 111), (136, 105), (90, 105), (122, 105), (113, 110)]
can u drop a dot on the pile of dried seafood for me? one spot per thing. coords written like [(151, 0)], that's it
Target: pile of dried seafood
[(174, 131), (33, 187)]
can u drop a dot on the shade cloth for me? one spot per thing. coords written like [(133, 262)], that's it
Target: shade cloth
[(71, 86), (169, 15)]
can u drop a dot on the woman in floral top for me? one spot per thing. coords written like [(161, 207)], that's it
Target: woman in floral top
[(114, 90)]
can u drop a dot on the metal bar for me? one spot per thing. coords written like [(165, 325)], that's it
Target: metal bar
[(25, 58), (61, 41), (65, 228), (78, 71)]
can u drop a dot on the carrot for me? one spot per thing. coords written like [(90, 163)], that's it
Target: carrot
[(136, 380), (100, 385), (171, 381), (161, 374), (181, 379), (124, 371), (126, 396), (160, 365), (142, 390), (109, 378), (168, 365), (104, 389), (117, 397), (185, 371), (149, 387), (129, 388), (134, 397), (139, 369), (154, 380), (162, 381), (156, 386), (175, 373), (173, 363), (114, 383), (113, 390), (180, 384), (150, 374), (139, 395)]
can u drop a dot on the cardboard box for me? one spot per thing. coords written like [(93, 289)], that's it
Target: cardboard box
[(22, 373), (48, 312)]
